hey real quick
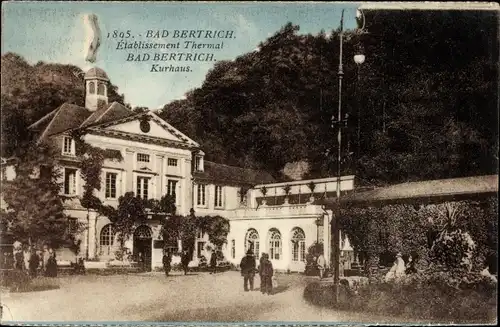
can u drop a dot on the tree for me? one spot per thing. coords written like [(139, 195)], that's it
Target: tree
[(131, 212), (423, 102), (139, 110), (35, 212)]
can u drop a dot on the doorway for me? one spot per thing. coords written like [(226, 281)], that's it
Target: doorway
[(143, 246)]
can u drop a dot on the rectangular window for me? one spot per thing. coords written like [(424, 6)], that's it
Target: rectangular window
[(201, 245), (233, 249), (68, 147), (69, 181), (111, 185), (171, 188), (172, 162), (72, 225), (201, 198), (218, 196), (142, 157), (142, 187)]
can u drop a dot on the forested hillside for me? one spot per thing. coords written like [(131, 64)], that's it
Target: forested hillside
[(427, 93)]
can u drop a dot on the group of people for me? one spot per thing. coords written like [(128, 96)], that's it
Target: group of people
[(400, 268), (265, 271), (167, 261), (29, 260)]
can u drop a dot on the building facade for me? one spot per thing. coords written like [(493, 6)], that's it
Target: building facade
[(277, 218)]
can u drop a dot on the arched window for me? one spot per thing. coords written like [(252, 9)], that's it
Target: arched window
[(298, 245), (142, 233), (252, 242), (274, 244), (100, 88), (91, 87), (107, 239)]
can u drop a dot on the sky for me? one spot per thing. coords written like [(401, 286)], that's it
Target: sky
[(55, 32)]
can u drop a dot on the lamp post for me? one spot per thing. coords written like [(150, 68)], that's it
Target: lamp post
[(358, 59)]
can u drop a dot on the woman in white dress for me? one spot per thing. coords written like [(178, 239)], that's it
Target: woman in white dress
[(398, 269)]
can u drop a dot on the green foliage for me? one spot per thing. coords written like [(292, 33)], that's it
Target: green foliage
[(433, 296), (35, 211), (166, 205), (131, 212), (217, 228), (186, 228), (405, 228), (429, 104), (29, 92), (453, 250)]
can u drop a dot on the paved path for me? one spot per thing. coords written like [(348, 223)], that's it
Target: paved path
[(154, 297)]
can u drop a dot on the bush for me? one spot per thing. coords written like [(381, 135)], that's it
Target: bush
[(453, 250), (19, 281), (432, 295)]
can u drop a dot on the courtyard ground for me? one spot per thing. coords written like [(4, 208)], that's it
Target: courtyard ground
[(156, 298)]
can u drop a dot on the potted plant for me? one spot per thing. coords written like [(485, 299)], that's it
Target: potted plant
[(243, 194), (287, 189), (311, 186), (264, 192)]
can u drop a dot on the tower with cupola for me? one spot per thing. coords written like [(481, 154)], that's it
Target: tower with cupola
[(96, 89)]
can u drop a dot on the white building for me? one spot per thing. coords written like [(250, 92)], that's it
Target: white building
[(158, 160)]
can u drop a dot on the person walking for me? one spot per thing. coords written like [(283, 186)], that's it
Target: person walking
[(213, 262), (185, 259), (247, 266), (266, 273), (167, 261), (321, 262)]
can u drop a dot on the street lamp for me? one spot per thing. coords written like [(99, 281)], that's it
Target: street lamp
[(358, 59)]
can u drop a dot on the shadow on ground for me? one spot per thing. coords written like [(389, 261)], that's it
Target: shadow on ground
[(238, 313)]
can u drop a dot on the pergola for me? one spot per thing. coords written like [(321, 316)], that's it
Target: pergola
[(423, 192), (416, 193)]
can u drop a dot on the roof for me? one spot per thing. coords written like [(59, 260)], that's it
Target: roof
[(69, 116), (108, 113), (95, 72), (425, 191), (232, 175), (66, 117)]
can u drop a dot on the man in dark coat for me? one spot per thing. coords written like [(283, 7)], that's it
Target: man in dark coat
[(167, 260), (213, 262), (185, 259), (247, 266)]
